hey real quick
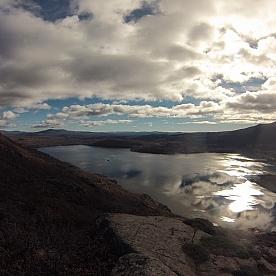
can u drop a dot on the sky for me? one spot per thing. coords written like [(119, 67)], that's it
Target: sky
[(125, 65)]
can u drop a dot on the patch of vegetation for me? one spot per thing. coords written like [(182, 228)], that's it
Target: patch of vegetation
[(2, 216), (202, 224), (239, 273), (46, 214), (225, 246), (197, 252)]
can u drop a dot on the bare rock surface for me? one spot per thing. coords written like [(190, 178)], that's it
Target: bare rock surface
[(139, 264), (156, 237), (157, 245)]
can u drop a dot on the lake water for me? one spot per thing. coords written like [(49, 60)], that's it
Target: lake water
[(218, 187)]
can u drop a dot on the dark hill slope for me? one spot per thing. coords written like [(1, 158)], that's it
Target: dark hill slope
[(256, 141), (260, 137), (46, 212)]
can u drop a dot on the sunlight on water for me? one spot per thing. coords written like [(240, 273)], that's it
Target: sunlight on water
[(242, 196), (226, 219), (227, 192), (239, 166), (219, 187)]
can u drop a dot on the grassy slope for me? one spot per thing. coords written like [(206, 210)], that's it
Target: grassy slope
[(46, 212)]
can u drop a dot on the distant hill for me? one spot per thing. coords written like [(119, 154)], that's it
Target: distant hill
[(46, 213), (72, 133), (259, 136), (256, 141)]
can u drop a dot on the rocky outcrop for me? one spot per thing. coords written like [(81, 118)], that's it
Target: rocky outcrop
[(159, 245)]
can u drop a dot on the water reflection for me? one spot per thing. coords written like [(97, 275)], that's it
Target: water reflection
[(219, 187), (243, 196), (230, 194)]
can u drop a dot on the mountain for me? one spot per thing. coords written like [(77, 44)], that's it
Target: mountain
[(46, 212), (83, 134), (256, 141), (259, 136)]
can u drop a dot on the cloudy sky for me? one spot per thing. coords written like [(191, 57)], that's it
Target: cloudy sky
[(129, 65)]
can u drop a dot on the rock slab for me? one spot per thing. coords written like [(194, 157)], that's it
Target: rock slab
[(151, 245), (154, 245)]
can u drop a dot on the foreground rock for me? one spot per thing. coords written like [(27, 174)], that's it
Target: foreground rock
[(167, 246)]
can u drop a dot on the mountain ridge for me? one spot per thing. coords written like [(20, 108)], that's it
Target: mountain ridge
[(258, 141)]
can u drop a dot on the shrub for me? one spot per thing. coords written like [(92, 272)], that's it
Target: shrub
[(197, 252), (225, 246), (202, 224)]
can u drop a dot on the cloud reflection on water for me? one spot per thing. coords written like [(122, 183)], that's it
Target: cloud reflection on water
[(230, 194), (218, 187)]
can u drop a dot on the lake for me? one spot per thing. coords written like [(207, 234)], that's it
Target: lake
[(218, 187)]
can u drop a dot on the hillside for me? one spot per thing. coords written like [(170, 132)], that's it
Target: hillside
[(257, 141), (52, 222), (46, 211)]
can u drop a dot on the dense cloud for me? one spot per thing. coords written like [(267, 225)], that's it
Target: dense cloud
[(154, 50), (138, 111), (6, 116)]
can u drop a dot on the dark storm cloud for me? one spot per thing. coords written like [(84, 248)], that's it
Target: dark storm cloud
[(29, 75), (13, 97)]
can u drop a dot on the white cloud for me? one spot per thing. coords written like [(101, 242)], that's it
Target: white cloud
[(9, 115), (107, 122), (50, 123), (149, 124), (199, 123), (59, 115), (6, 116), (41, 106), (262, 101), (169, 55), (82, 112), (33, 107), (247, 108)]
